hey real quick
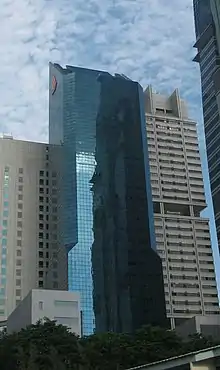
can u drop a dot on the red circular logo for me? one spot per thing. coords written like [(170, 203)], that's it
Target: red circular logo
[(54, 85)]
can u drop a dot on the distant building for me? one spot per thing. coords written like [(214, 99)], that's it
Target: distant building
[(29, 219), (127, 272), (182, 236), (64, 307)]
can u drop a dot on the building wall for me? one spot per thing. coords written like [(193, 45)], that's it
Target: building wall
[(27, 210), (182, 236), (207, 57), (64, 307)]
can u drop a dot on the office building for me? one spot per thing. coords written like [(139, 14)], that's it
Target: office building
[(73, 105), (206, 14), (127, 271), (29, 220), (61, 306), (182, 236), (74, 101)]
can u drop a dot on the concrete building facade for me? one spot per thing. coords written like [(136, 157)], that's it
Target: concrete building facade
[(29, 219), (207, 27), (182, 236), (61, 306)]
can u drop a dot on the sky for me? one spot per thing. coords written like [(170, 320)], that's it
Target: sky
[(150, 41)]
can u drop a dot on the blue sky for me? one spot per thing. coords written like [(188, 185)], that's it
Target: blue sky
[(148, 40)]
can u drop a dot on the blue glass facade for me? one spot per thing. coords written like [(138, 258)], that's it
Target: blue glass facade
[(73, 110), (127, 272), (208, 58), (74, 105)]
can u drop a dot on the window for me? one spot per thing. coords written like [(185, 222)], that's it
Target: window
[(66, 303), (41, 208), (20, 187), (19, 233), (20, 179), (19, 214), (20, 206), (20, 170), (41, 235), (19, 243), (41, 182), (41, 217), (18, 272), (41, 244), (41, 199), (4, 242), (5, 213), (6, 204), (18, 263), (41, 305), (40, 283), (4, 232), (5, 223), (19, 224), (20, 196), (18, 253), (41, 190), (41, 173), (40, 264), (40, 273), (18, 292), (55, 275), (41, 226), (41, 254), (55, 285), (18, 282)]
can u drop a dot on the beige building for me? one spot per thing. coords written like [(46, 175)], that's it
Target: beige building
[(29, 219), (183, 237), (61, 306)]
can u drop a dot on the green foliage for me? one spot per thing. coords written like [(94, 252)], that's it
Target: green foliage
[(46, 346)]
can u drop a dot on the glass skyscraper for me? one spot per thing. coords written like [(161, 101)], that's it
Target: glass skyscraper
[(206, 13), (127, 272), (74, 100), (73, 108)]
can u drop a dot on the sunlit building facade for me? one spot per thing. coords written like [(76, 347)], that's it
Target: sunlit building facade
[(207, 27)]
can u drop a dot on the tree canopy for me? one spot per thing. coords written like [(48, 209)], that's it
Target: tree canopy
[(47, 345)]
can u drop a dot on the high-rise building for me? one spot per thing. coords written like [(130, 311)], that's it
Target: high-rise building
[(127, 271), (182, 236), (29, 229), (73, 105), (207, 28)]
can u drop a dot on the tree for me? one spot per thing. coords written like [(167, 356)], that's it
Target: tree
[(40, 345), (47, 346)]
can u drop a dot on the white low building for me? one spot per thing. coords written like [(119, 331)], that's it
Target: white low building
[(62, 306)]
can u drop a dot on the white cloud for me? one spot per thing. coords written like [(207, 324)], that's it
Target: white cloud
[(150, 41)]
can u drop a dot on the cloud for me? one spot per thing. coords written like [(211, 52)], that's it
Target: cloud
[(148, 40), (144, 39)]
